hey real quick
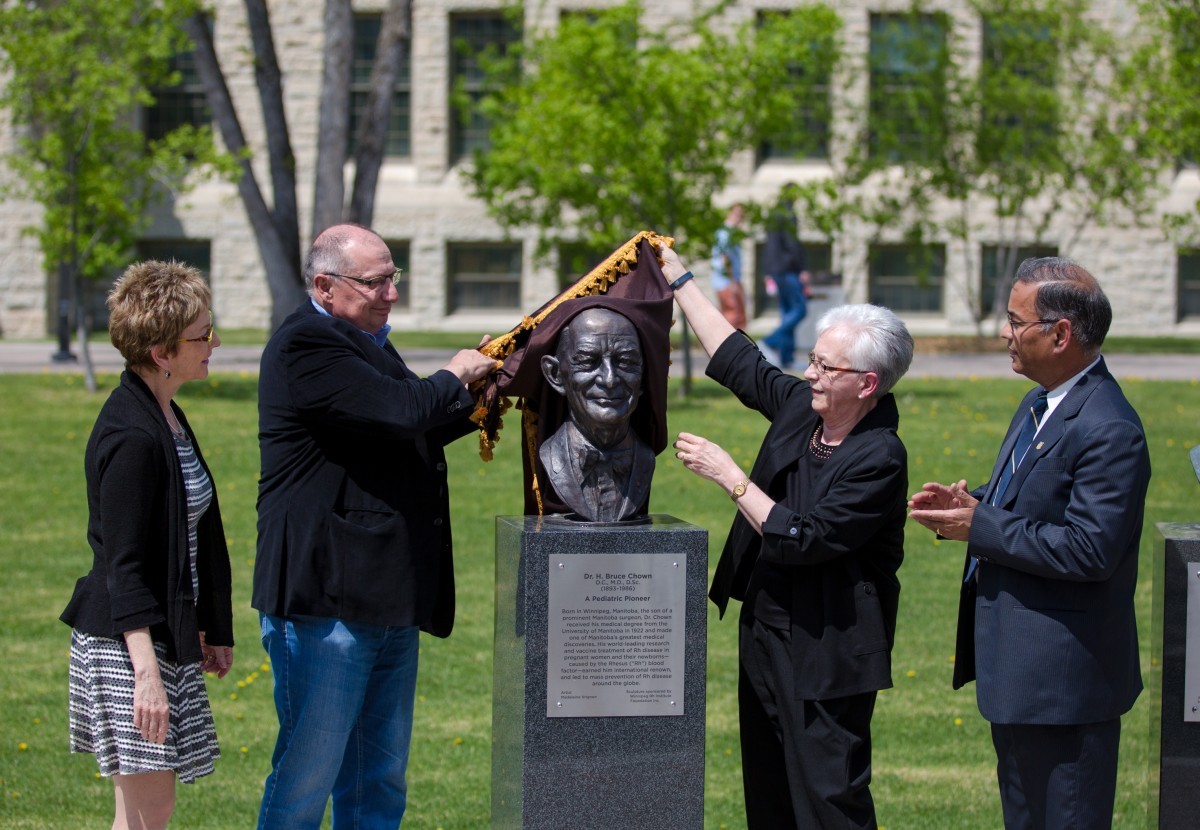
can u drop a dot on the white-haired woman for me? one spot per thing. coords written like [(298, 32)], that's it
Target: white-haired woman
[(812, 554)]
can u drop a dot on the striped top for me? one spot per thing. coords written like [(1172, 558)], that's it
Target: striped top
[(199, 496)]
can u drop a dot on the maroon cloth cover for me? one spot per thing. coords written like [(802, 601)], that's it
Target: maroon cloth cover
[(641, 295)]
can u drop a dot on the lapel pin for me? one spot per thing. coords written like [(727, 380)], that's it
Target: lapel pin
[(1041, 444)]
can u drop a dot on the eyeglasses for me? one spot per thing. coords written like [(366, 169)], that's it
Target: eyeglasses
[(1016, 324), (204, 338), (375, 282), (824, 369)]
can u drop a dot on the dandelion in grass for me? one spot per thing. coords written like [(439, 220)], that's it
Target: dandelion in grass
[(22, 746), (912, 673), (958, 721)]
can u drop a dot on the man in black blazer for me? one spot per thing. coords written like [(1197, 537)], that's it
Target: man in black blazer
[(1046, 621), (354, 547)]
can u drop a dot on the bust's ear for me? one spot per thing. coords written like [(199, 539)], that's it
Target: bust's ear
[(552, 370)]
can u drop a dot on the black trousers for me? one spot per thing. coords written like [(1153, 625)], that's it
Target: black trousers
[(805, 763), (1057, 776)]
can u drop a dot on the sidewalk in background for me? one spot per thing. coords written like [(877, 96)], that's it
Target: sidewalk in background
[(35, 357)]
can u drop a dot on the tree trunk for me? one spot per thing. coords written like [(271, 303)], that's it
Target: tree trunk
[(280, 252), (395, 38), (82, 325), (282, 161), (329, 188)]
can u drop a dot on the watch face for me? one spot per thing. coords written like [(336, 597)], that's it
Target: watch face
[(739, 489)]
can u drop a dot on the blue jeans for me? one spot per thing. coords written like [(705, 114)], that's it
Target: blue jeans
[(344, 695), (792, 309)]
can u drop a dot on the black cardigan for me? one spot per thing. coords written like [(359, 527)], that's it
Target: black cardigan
[(137, 527), (842, 545)]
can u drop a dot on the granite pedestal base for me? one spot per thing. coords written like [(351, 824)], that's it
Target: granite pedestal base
[(1174, 686), (555, 765)]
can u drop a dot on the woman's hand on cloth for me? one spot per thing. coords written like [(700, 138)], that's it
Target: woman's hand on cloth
[(672, 266), (151, 713)]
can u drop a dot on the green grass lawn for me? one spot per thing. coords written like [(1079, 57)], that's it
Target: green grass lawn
[(933, 754)]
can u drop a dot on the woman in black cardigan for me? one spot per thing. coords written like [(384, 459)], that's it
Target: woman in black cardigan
[(812, 554), (154, 612)]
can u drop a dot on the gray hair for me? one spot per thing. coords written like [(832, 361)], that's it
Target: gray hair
[(876, 341), (1066, 291), (328, 252)]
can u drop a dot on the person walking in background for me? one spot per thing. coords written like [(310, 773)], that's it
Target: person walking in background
[(155, 611), (1046, 622), (784, 263), (727, 267), (354, 544), (813, 554)]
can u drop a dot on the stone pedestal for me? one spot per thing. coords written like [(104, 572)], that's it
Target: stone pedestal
[(1174, 683), (600, 657)]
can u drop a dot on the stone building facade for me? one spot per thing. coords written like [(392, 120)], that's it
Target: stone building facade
[(465, 273)]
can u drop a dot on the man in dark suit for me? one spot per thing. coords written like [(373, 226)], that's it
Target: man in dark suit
[(354, 547), (1046, 621)]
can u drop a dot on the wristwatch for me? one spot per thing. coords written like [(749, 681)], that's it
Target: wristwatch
[(739, 489)]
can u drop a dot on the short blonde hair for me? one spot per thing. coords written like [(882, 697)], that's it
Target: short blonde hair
[(151, 304)]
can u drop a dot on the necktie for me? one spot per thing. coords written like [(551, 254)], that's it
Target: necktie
[(1029, 428)]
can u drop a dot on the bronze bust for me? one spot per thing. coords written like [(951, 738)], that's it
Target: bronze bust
[(595, 461)]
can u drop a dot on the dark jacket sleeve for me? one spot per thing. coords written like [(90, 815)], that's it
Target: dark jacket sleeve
[(131, 469)]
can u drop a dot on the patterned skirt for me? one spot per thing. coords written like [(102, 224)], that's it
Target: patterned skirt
[(101, 713)]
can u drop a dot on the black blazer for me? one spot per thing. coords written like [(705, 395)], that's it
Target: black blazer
[(353, 507), (137, 527), (1049, 630), (844, 542)]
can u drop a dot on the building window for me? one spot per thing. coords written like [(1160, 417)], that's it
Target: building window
[(1188, 278), (399, 133), (399, 249), (994, 268), (907, 277), (575, 261), (472, 38), (484, 276), (806, 135), (908, 63), (179, 105), (818, 255), (194, 252), (1018, 97)]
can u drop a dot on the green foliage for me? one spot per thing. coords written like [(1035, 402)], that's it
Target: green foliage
[(77, 73), (1166, 72), (933, 759), (603, 127)]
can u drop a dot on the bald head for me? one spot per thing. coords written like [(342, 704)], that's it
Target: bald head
[(331, 248)]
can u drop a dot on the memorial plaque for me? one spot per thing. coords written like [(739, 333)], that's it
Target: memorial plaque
[(615, 644), (1191, 655)]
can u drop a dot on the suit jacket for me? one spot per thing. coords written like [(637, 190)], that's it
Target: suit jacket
[(1048, 627), (565, 478), (137, 526), (842, 545), (353, 507)]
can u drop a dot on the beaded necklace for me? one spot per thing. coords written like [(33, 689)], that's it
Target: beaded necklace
[(818, 448)]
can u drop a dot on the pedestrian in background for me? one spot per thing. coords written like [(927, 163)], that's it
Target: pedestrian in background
[(727, 267), (785, 264)]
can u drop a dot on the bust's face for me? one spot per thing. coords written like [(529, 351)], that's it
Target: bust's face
[(599, 368)]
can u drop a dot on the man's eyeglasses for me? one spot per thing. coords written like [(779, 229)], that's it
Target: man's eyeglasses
[(375, 282), (1016, 324), (824, 369), (204, 338)]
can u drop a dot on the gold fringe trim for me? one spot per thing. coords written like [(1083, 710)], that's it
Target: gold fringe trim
[(597, 281), (489, 406)]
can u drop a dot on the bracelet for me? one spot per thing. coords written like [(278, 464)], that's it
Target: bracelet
[(675, 286)]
